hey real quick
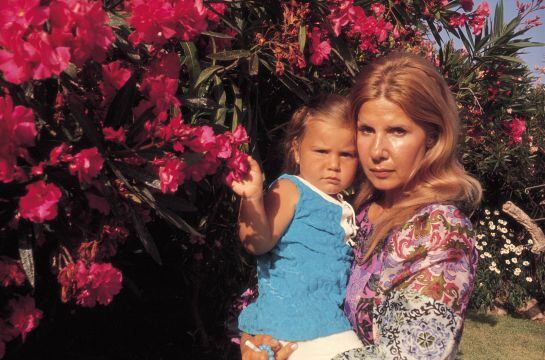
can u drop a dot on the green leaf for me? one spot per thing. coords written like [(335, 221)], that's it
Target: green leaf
[(498, 17), (510, 59), (253, 67), (120, 110), (27, 258), (229, 55), (145, 237), (288, 82), (191, 60), (200, 103), (217, 35), (89, 127), (207, 74), (302, 38)]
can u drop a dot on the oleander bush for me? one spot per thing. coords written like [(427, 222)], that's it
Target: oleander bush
[(121, 121)]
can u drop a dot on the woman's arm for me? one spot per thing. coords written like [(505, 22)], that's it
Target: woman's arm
[(263, 219)]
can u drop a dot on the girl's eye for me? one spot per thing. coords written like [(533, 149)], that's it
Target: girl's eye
[(348, 154)]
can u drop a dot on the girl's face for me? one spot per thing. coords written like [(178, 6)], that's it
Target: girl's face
[(390, 144), (327, 156)]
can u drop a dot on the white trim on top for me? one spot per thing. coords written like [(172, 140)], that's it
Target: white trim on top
[(320, 192)]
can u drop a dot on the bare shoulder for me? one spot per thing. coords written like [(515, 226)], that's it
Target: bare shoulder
[(282, 194)]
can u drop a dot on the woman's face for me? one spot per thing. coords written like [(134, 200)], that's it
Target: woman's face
[(390, 145)]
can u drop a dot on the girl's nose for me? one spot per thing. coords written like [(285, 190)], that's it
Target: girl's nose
[(334, 162)]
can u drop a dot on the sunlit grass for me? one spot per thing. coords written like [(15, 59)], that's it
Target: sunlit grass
[(502, 337)]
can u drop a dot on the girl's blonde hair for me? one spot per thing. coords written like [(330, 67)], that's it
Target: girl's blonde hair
[(330, 108), (414, 84)]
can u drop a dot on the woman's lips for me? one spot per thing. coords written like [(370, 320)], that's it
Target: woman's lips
[(381, 173)]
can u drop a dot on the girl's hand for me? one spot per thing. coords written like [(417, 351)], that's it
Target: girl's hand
[(248, 352), (251, 187)]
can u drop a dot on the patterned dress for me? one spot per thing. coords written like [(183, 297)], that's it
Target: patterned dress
[(409, 299)]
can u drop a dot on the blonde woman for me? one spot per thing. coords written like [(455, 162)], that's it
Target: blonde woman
[(415, 260)]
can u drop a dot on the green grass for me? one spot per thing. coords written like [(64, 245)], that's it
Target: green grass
[(502, 337)]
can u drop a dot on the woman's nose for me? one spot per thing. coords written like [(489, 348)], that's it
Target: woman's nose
[(378, 149)]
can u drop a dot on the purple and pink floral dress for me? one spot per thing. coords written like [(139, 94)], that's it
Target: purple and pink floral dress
[(408, 301)]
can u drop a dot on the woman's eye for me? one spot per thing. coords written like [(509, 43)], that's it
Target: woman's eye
[(365, 129), (398, 131), (321, 151)]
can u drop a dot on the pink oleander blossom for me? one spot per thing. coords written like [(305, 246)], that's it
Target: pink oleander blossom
[(98, 283), (40, 202), (467, 5), (11, 272), (17, 131), (479, 17), (237, 166), (114, 76), (156, 21), (113, 135), (87, 164), (171, 175), (319, 50), (24, 315), (515, 129), (22, 13), (203, 139)]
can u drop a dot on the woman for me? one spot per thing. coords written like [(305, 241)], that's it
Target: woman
[(415, 261)]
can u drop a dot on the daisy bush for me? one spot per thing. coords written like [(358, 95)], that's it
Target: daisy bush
[(122, 120), (508, 272)]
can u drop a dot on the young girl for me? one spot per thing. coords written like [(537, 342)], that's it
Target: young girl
[(302, 230)]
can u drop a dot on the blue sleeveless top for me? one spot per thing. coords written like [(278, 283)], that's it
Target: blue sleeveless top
[(302, 280)]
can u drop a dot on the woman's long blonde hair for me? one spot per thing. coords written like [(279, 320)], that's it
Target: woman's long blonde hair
[(414, 84)]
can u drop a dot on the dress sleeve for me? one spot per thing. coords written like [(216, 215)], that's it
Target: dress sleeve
[(427, 278)]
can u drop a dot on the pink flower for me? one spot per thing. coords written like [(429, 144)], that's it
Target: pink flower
[(458, 20), (237, 166), (17, 131), (24, 316), (11, 272), (240, 136), (378, 8), (156, 21), (56, 154), (87, 164), (97, 283), (515, 129), (114, 77), (40, 202), (98, 203), (319, 50), (467, 5), (203, 139), (479, 18), (208, 165), (114, 135), (22, 13), (219, 8), (171, 175)]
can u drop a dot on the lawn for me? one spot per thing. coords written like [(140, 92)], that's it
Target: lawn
[(502, 337)]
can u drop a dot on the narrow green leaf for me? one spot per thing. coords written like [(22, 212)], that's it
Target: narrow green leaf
[(302, 38), (120, 110), (253, 68), (217, 35), (27, 258), (229, 55), (207, 74), (498, 17), (288, 82), (145, 237), (191, 60)]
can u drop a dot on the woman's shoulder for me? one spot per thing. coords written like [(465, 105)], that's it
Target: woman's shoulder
[(442, 212)]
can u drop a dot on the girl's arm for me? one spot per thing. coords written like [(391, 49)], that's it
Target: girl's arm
[(263, 219)]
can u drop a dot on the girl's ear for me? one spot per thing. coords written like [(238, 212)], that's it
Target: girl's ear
[(295, 147)]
